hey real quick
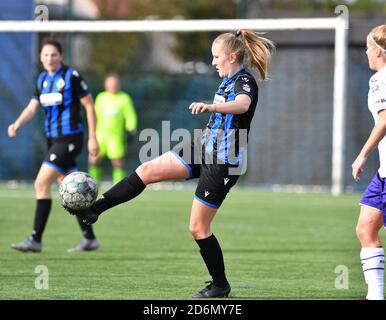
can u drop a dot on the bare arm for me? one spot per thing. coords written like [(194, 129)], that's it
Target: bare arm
[(238, 106), (376, 135), (27, 114), (88, 104)]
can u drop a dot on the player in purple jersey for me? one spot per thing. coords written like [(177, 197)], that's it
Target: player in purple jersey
[(237, 96), (373, 203)]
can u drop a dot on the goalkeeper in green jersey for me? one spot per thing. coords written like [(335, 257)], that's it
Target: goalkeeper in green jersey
[(116, 125)]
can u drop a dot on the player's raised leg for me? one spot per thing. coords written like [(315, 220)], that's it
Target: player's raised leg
[(372, 254), (46, 176), (162, 168)]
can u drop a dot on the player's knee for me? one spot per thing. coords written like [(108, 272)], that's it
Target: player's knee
[(41, 186), (195, 232), (198, 232), (147, 173), (360, 232), (365, 233)]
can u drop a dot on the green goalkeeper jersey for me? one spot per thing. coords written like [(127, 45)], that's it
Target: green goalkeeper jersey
[(115, 114)]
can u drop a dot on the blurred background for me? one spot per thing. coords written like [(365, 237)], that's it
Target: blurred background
[(291, 139)]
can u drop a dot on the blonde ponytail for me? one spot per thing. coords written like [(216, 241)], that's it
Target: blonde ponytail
[(258, 49)]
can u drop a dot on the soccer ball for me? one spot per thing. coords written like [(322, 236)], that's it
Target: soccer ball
[(78, 190)]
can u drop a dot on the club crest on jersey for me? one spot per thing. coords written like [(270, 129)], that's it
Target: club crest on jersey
[(229, 88), (60, 84), (75, 73), (52, 156), (45, 84), (207, 193), (375, 88), (71, 147)]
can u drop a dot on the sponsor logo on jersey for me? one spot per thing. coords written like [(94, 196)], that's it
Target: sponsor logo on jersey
[(226, 181), (83, 85), (47, 99), (246, 87), (218, 99)]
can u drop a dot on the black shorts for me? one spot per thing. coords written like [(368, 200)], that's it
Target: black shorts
[(215, 179), (62, 152)]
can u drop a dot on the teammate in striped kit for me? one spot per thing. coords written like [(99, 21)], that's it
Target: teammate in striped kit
[(373, 203), (60, 91), (217, 152)]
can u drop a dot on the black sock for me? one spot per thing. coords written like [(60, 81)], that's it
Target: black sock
[(125, 190), (87, 230), (212, 254), (43, 208)]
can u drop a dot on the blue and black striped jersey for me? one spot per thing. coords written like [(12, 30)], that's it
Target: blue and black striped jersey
[(223, 136), (59, 95)]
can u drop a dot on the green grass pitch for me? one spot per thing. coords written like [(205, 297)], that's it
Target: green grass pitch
[(276, 246)]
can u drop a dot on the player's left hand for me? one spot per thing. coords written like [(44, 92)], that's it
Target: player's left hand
[(93, 147), (199, 107)]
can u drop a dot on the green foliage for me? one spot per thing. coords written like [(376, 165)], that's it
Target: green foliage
[(328, 5), (189, 46), (113, 52), (121, 52)]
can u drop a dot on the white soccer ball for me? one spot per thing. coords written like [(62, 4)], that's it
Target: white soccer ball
[(78, 190)]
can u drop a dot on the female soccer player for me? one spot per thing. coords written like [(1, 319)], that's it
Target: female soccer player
[(214, 156), (61, 91), (373, 202)]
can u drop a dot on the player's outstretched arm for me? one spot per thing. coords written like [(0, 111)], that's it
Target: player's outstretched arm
[(238, 106), (27, 114)]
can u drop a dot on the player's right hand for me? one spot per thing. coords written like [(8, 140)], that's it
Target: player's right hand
[(93, 147), (357, 167), (12, 130)]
